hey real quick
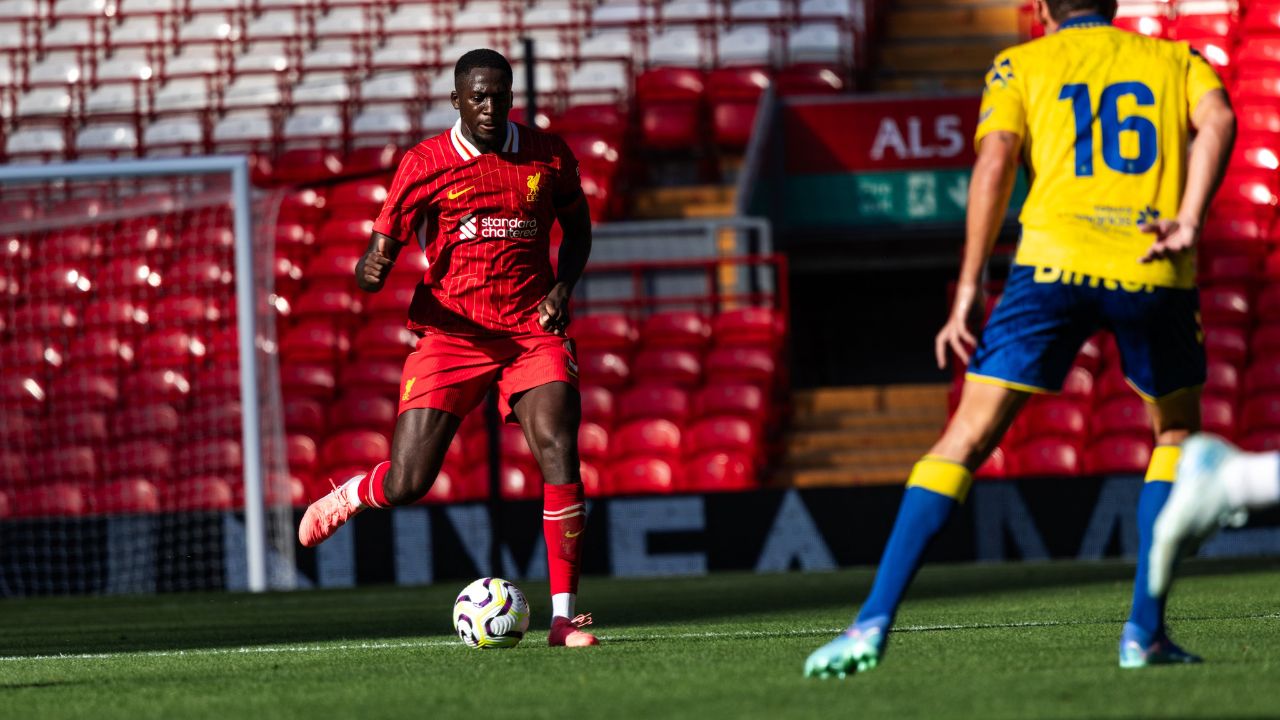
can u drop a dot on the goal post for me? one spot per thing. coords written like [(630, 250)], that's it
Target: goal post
[(253, 353)]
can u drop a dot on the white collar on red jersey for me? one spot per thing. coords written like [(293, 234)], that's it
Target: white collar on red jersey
[(469, 151)]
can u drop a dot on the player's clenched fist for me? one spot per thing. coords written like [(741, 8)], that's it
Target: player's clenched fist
[(553, 311), (372, 271)]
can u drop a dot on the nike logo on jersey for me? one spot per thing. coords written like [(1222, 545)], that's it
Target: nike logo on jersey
[(570, 534), (454, 195)]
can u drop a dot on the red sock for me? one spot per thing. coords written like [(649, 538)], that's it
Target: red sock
[(369, 487), (564, 516)]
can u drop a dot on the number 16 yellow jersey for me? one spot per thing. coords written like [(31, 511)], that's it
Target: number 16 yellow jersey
[(1104, 117)]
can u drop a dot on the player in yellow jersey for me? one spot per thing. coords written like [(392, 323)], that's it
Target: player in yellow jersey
[(1102, 118)]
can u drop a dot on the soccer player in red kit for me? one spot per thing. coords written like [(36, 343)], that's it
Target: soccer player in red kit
[(480, 200)]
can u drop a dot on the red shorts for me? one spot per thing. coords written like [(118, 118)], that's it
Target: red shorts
[(452, 373)]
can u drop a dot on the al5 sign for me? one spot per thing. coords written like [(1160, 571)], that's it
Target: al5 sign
[(852, 135)]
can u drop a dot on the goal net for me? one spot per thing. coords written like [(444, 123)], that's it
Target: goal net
[(126, 441)]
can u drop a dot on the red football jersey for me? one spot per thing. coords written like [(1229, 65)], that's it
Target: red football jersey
[(484, 222)]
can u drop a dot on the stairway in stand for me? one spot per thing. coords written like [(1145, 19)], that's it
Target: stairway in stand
[(861, 435), (943, 45)]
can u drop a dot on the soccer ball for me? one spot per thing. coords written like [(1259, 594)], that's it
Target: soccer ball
[(491, 613)]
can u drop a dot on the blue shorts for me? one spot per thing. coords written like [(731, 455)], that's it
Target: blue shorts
[(1045, 315)]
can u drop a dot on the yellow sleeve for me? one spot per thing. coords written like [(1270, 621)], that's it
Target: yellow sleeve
[(1003, 100), (1201, 80)]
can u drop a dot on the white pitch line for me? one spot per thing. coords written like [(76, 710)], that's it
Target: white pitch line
[(708, 635)]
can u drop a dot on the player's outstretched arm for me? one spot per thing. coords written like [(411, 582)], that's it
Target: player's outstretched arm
[(990, 187), (1215, 122), (376, 263), (575, 249)]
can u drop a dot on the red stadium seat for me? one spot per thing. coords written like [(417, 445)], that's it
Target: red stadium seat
[(302, 453), (521, 482), (1226, 344), (51, 318), (88, 391), (333, 304), (675, 367), (361, 199), (315, 340), (1218, 415), (467, 448), (444, 489), (218, 382), (598, 405), (1223, 379), (214, 418), (167, 386), (593, 482), (360, 448), (609, 331), (809, 80), (30, 356), (306, 165), (16, 429), (119, 314), (1227, 269), (748, 326), (144, 458), (51, 500), (129, 496), (995, 466), (175, 349), (1090, 355), (1112, 384), (1262, 412), (677, 329), (1265, 339), (1268, 305), (643, 476), (1262, 375), (513, 444), (720, 471), (593, 442), (377, 377), (88, 427), (722, 433), (71, 463), (154, 420), (335, 266), (1235, 230), (606, 369), (309, 380), (1122, 415), (363, 410), (654, 401), (346, 232), (1047, 415), (743, 364), (1078, 384), (746, 401), (734, 94), (1262, 18), (670, 101), (1225, 305), (1045, 457), (394, 299), (187, 311), (13, 469), (101, 350), (303, 415), (385, 339), (1119, 454), (656, 438), (305, 205), (59, 281), (204, 493)]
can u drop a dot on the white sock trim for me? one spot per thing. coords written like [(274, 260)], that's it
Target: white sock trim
[(562, 605), (1252, 480), (352, 489)]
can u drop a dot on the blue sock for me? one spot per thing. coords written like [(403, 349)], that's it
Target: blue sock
[(921, 516), (1148, 611)]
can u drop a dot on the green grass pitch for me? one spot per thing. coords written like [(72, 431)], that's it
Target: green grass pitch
[(1011, 641)]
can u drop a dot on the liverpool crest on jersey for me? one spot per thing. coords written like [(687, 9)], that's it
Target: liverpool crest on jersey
[(534, 182)]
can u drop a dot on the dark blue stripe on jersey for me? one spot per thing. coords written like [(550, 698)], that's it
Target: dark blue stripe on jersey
[(1084, 21)]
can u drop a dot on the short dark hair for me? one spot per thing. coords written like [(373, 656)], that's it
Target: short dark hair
[(1061, 9), (482, 58)]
